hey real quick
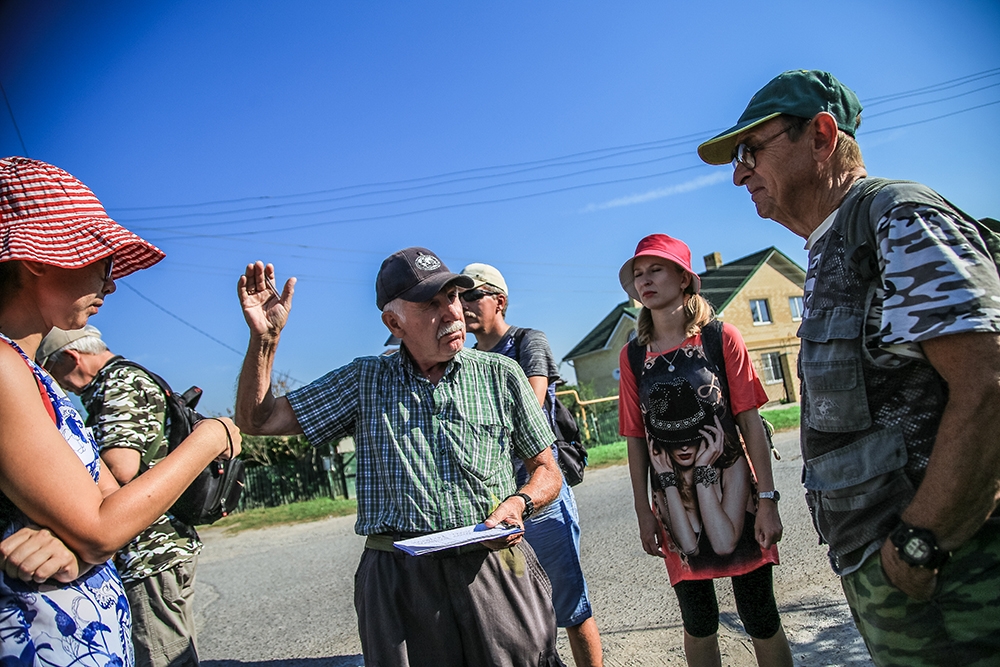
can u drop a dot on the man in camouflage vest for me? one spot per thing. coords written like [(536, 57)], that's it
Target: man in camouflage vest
[(900, 369), (127, 412)]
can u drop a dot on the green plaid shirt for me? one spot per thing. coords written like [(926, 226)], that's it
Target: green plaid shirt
[(430, 458)]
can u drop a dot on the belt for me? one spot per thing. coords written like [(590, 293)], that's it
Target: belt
[(383, 542)]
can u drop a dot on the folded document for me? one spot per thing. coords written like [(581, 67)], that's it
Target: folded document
[(447, 539)]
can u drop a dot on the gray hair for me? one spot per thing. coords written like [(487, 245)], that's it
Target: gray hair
[(85, 345), (396, 308)]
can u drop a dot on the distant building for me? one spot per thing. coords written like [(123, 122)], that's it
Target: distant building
[(761, 294)]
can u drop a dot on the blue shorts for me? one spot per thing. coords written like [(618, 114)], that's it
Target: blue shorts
[(554, 534)]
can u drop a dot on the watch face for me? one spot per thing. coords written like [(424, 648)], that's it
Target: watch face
[(917, 549)]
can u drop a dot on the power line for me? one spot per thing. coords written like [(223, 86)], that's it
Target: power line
[(944, 85), (402, 200), (445, 207), (13, 120), (188, 324), (940, 99), (648, 145), (426, 186), (927, 120)]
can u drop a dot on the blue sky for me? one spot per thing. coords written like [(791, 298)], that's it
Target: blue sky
[(543, 138)]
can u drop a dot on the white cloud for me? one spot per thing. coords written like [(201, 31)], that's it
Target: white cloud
[(659, 193)]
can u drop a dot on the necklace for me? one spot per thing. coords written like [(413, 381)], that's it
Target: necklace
[(670, 362)]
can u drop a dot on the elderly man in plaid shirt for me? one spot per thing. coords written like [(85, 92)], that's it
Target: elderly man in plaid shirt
[(434, 426)]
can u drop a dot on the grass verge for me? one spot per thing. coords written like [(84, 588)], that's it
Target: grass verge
[(783, 418), (598, 456), (308, 510)]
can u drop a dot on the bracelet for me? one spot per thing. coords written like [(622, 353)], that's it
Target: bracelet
[(706, 475), (667, 479), (229, 438)]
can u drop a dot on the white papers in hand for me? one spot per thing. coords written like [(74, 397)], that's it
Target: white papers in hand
[(416, 546)]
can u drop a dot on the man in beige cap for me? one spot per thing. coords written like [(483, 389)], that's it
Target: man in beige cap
[(900, 366), (554, 533), (126, 410)]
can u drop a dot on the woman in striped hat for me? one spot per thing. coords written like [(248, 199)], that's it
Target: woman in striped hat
[(62, 514)]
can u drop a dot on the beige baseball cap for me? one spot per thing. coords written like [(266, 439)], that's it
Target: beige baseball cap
[(484, 274), (58, 338)]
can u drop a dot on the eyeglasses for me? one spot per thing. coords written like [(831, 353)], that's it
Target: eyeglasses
[(475, 294), (745, 154), (111, 266)]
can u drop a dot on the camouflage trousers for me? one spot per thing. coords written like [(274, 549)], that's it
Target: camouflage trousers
[(959, 625)]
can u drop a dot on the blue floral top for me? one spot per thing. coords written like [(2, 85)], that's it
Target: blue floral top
[(86, 623)]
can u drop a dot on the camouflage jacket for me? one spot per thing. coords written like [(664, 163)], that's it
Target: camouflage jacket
[(127, 409)]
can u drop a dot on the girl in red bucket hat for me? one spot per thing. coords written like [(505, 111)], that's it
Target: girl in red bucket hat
[(62, 514), (683, 411)]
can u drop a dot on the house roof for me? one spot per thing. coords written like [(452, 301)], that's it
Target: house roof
[(718, 286)]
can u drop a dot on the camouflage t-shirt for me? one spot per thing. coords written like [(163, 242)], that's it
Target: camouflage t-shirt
[(935, 283), (130, 413)]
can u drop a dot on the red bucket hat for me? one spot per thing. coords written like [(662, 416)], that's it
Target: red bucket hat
[(666, 247), (48, 216)]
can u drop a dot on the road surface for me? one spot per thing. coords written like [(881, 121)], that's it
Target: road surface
[(283, 597)]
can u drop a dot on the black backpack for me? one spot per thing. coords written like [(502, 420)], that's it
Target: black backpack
[(572, 452), (216, 491), (711, 343)]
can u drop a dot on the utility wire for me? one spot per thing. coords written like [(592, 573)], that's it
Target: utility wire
[(445, 207), (927, 120), (648, 145), (429, 185), (944, 85), (940, 99), (553, 161), (188, 324), (13, 120), (182, 320), (402, 200)]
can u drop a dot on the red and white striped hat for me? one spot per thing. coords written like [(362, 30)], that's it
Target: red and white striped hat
[(48, 216)]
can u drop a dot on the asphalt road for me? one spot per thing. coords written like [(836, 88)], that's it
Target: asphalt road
[(283, 597)]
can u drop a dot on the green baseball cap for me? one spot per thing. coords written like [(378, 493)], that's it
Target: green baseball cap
[(802, 93)]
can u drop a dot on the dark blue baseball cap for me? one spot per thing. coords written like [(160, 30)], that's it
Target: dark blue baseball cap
[(414, 274)]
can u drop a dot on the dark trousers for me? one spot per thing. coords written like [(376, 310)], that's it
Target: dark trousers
[(473, 609)]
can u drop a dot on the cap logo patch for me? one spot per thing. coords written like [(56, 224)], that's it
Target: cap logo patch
[(427, 263)]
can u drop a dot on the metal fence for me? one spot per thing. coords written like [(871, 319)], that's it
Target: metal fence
[(313, 477), (596, 417)]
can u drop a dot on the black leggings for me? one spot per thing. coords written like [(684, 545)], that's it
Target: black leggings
[(754, 593)]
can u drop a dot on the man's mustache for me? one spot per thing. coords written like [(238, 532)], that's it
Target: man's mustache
[(447, 329)]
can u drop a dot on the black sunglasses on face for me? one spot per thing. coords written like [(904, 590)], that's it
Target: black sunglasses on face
[(475, 294)]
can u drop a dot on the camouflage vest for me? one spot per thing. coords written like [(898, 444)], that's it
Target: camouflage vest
[(867, 430)]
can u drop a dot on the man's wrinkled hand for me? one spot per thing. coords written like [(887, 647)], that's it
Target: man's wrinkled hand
[(508, 512), (917, 582)]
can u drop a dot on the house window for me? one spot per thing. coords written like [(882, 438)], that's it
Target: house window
[(795, 305), (760, 312), (771, 364)]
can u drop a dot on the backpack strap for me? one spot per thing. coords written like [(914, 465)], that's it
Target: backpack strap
[(518, 338), (98, 406), (711, 343), (636, 358), (861, 244)]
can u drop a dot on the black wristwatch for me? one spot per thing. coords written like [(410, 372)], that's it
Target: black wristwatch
[(529, 504), (918, 547), (769, 495)]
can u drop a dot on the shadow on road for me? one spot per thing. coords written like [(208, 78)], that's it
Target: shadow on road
[(332, 661)]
